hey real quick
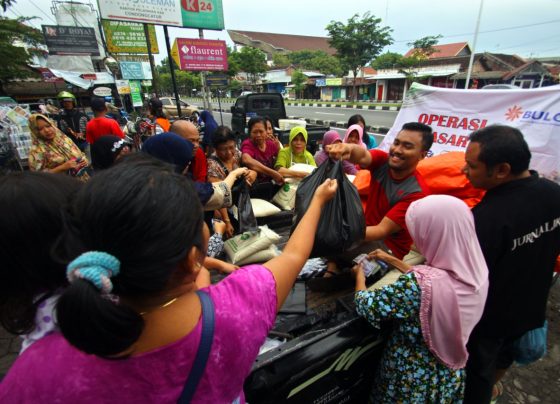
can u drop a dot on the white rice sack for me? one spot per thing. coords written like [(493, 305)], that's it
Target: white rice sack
[(246, 244), (262, 208), (286, 196), (260, 256)]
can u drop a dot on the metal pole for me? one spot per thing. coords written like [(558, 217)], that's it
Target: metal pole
[(220, 107), (473, 50), (151, 57), (171, 67), (205, 97)]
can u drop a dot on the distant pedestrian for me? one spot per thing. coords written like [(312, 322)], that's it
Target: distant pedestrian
[(368, 139), (100, 125)]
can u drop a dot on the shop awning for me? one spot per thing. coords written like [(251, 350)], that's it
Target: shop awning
[(84, 80), (432, 73)]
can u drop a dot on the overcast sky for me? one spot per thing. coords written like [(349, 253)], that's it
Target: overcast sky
[(529, 28)]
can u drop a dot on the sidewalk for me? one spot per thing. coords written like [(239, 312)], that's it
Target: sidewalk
[(536, 383)]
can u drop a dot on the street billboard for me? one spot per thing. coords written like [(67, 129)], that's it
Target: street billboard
[(207, 14), (136, 93), (135, 70), (217, 80), (200, 54), (454, 113), (123, 86), (128, 37), (70, 40)]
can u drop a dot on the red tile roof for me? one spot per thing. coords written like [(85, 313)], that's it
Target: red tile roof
[(445, 50), (283, 41)]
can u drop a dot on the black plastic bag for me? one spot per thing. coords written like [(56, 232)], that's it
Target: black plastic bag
[(342, 224), (246, 217)]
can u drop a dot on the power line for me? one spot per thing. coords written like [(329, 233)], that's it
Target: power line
[(528, 43), (42, 11), (491, 30)]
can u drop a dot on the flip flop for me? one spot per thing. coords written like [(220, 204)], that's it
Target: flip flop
[(500, 390)]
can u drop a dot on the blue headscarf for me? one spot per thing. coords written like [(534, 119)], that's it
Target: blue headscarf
[(171, 148), (210, 126), (175, 150)]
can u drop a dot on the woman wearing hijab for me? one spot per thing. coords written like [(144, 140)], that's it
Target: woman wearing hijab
[(434, 306), (107, 150), (53, 151), (210, 126), (368, 139), (331, 137), (295, 153), (354, 134), (175, 150)]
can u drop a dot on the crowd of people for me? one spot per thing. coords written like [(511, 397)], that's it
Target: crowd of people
[(106, 269)]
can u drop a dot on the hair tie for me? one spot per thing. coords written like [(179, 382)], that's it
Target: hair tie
[(96, 267)]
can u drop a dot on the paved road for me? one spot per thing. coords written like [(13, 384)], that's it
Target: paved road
[(373, 118)]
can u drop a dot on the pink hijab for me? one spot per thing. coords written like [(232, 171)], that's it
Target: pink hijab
[(454, 281), (360, 131)]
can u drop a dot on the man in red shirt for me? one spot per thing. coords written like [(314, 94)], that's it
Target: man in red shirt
[(101, 125), (187, 130), (395, 184)]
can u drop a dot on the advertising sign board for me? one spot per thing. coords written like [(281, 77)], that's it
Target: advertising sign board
[(128, 37), (136, 93), (123, 86), (200, 54), (68, 40), (217, 80), (102, 91), (205, 14)]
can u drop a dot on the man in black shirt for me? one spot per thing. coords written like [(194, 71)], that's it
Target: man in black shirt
[(72, 121), (518, 227)]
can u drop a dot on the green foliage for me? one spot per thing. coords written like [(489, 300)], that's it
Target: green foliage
[(359, 41), (233, 65), (15, 59), (6, 3), (251, 61), (186, 82), (388, 60), (424, 47), (299, 80), (280, 60), (316, 60)]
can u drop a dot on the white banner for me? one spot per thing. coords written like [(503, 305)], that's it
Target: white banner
[(162, 12), (453, 114)]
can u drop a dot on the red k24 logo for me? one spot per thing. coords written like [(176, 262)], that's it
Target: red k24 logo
[(196, 6)]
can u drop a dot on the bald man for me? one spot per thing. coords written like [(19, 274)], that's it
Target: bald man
[(187, 130)]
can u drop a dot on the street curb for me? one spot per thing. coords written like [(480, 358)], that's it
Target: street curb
[(343, 125), (329, 105)]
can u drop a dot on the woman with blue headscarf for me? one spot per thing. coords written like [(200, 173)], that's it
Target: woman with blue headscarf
[(210, 126)]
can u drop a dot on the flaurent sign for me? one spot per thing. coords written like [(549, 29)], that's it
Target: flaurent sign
[(207, 14), (454, 113)]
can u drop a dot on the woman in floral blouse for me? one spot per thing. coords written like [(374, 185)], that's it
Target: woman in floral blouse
[(434, 306), (225, 159)]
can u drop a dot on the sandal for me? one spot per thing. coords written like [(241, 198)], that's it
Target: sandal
[(499, 388)]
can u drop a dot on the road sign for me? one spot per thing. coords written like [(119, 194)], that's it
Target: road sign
[(217, 80), (200, 54), (205, 14)]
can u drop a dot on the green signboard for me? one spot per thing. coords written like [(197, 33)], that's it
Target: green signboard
[(136, 93), (207, 14), (128, 37)]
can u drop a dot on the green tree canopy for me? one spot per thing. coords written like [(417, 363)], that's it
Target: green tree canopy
[(422, 49), (299, 80), (15, 59), (316, 60), (280, 60), (251, 61), (359, 41), (388, 60)]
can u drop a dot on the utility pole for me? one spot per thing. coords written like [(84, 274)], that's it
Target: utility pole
[(473, 50), (205, 95)]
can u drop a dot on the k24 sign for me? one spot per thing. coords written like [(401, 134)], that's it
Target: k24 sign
[(205, 14)]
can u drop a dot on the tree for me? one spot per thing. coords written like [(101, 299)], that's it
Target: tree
[(389, 60), (422, 49), (16, 59), (280, 60), (358, 42), (251, 61), (299, 80), (316, 60)]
